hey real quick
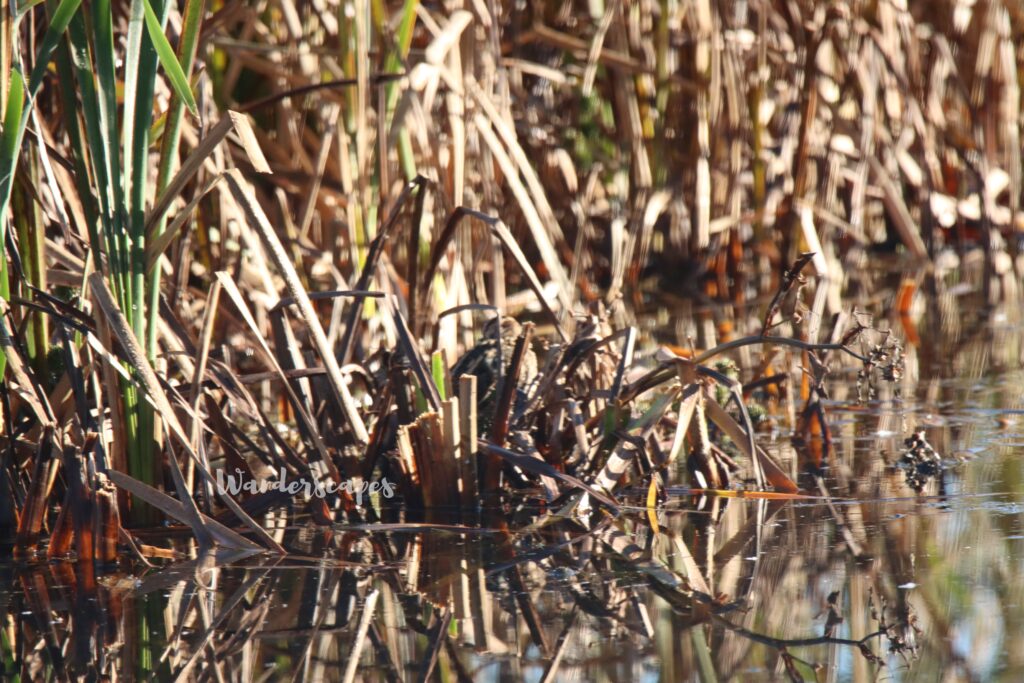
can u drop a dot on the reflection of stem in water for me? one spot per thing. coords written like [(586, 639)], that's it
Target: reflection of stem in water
[(782, 644), (364, 626), (848, 538)]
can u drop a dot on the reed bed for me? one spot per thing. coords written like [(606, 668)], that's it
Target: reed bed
[(270, 240)]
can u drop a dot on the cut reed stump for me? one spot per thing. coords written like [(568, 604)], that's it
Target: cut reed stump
[(438, 453), (423, 445)]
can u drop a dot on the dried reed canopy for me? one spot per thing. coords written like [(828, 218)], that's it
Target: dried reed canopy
[(260, 239)]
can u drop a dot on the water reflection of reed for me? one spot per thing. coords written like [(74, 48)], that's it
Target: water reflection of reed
[(734, 589), (715, 587)]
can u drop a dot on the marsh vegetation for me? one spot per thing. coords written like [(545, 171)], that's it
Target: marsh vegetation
[(685, 335)]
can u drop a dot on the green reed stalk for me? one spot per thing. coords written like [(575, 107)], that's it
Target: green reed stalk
[(28, 221), (16, 116), (393, 64), (115, 201), (186, 55)]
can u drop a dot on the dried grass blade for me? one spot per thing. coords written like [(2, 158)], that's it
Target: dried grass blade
[(529, 209), (243, 196), (542, 468), (300, 410), (190, 510), (205, 340), (199, 370), (439, 47), (505, 236), (232, 120), (409, 348), (331, 121), (579, 428), (596, 45), (176, 510), (687, 405), (413, 261), (518, 154), (28, 389), (625, 361), (773, 473), (156, 246)]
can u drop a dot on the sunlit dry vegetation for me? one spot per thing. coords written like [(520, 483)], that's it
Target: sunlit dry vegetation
[(355, 241)]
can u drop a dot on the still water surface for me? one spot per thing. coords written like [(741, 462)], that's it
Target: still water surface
[(514, 595)]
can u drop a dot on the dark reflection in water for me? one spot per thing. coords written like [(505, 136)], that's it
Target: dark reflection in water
[(927, 584), (523, 603)]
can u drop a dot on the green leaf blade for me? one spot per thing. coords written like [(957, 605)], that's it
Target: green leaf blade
[(169, 61)]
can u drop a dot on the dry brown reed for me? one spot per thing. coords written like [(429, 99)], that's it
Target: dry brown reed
[(382, 178)]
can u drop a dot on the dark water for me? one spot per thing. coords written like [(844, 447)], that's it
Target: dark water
[(722, 588)]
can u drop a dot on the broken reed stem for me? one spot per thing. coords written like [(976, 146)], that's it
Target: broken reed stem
[(468, 432), (89, 517), (453, 445), (424, 440), (108, 521), (436, 464), (437, 453), (31, 523), (62, 537), (412, 492)]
